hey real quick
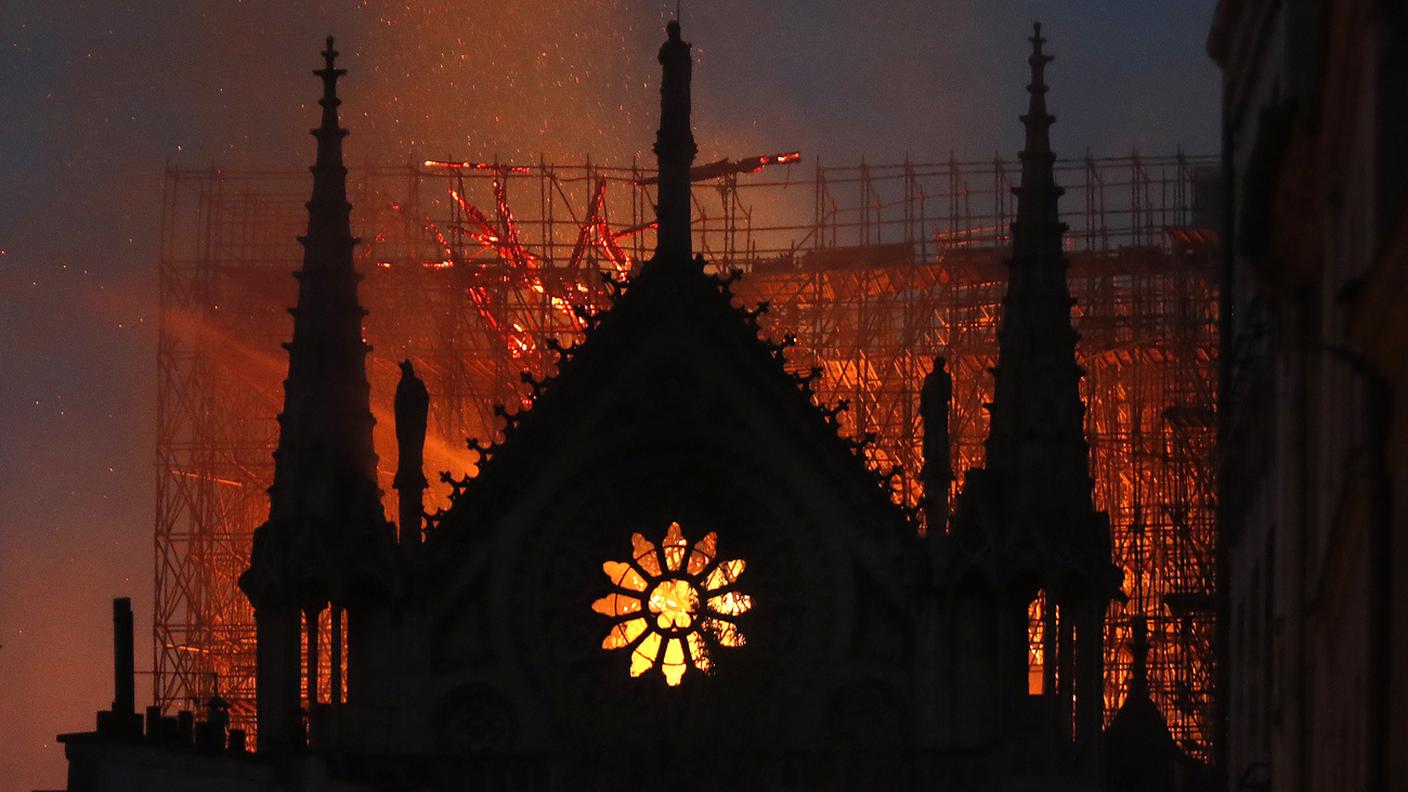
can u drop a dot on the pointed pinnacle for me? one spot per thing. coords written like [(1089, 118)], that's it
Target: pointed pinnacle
[(329, 73), (1038, 60)]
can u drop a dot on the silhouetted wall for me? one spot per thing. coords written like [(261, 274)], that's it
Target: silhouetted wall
[(1312, 433)]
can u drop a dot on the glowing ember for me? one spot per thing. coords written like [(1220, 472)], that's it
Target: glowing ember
[(480, 166)]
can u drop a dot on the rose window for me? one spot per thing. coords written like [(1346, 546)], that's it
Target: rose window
[(672, 606)]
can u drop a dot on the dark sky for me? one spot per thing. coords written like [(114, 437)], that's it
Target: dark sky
[(96, 97)]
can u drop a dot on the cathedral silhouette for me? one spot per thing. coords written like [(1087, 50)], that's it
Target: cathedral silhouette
[(674, 571)]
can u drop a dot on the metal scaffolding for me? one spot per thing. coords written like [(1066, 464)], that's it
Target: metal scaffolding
[(876, 269)]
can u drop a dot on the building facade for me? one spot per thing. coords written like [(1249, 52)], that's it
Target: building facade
[(1314, 384)]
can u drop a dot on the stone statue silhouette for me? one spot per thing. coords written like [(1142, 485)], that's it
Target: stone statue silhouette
[(937, 474), (412, 407)]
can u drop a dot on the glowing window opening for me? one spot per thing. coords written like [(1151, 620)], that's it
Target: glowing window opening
[(1036, 645), (674, 605)]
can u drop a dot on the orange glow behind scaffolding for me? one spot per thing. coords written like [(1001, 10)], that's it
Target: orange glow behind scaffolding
[(475, 270)]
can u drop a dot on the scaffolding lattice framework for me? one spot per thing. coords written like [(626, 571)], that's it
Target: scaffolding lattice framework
[(472, 267)]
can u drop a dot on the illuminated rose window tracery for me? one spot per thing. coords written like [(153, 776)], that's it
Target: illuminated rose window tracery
[(673, 605)]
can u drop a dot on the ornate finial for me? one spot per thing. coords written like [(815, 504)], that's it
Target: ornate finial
[(1038, 123), (329, 183), (674, 149), (1038, 57), (330, 73)]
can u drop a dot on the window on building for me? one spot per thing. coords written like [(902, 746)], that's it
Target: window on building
[(1036, 649), (674, 605)]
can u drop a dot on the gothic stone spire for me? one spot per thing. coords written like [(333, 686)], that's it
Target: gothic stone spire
[(1036, 440), (325, 538), (674, 149), (1025, 520), (325, 490)]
